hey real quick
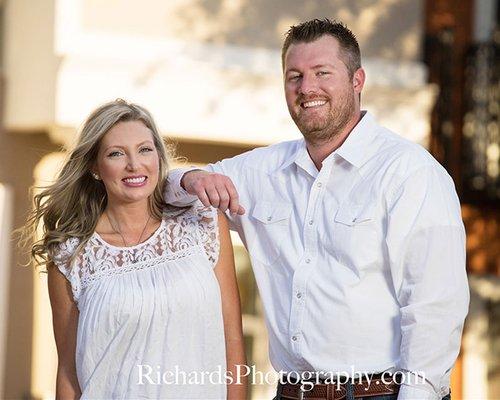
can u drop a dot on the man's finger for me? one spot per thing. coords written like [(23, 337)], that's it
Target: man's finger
[(224, 199), (234, 200), (202, 195), (213, 196), (241, 210)]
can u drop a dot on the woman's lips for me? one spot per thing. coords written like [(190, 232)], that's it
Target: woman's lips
[(135, 181)]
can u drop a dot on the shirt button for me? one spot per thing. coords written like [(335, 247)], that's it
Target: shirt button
[(299, 295), (294, 338), (269, 218), (311, 222), (308, 260), (319, 184)]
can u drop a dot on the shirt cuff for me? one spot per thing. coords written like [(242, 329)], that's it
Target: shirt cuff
[(174, 192), (420, 392)]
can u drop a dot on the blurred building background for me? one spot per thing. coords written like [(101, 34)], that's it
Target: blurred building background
[(209, 70)]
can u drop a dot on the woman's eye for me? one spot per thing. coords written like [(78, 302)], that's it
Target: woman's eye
[(114, 154), (146, 149)]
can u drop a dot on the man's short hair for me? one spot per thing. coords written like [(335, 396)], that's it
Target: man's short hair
[(312, 30)]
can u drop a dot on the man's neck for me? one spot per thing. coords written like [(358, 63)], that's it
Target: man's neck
[(321, 150)]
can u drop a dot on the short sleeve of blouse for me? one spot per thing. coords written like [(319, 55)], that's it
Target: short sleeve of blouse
[(62, 258), (208, 229)]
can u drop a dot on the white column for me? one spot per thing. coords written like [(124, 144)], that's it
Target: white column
[(44, 357), (6, 220)]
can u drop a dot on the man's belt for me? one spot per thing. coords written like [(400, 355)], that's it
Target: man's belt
[(337, 391)]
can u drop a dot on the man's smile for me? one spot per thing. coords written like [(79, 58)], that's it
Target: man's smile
[(312, 104)]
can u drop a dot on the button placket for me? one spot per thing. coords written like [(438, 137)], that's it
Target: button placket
[(302, 273), (310, 229)]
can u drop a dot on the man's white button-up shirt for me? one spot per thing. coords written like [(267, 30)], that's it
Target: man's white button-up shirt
[(360, 265)]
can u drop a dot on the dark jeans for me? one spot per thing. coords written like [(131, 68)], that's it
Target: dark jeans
[(350, 396)]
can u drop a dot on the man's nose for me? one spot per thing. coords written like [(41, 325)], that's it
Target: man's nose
[(309, 84)]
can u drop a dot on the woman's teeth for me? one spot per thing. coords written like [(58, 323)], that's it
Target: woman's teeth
[(135, 180)]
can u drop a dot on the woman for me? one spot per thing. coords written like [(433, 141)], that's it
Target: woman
[(144, 298)]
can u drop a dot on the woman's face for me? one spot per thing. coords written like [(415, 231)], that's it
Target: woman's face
[(128, 163)]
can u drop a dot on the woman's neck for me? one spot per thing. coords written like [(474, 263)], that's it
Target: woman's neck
[(130, 216)]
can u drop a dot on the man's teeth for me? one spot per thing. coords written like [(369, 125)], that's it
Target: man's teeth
[(135, 180), (314, 103)]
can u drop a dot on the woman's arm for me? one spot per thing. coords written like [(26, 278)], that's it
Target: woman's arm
[(65, 322), (231, 310)]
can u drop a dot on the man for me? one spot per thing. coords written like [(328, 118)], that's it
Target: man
[(354, 233)]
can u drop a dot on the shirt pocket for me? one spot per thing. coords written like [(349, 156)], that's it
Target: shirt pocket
[(352, 238), (271, 225)]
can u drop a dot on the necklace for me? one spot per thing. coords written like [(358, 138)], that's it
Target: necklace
[(121, 235)]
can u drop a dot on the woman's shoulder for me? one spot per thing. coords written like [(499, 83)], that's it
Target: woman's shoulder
[(66, 248), (63, 254)]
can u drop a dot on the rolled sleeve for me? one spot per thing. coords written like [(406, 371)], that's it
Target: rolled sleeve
[(177, 196), (174, 193)]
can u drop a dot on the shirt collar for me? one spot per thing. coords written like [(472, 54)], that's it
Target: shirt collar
[(358, 146), (297, 154), (300, 157), (356, 149)]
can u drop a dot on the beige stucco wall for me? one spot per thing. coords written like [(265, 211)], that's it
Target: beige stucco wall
[(385, 28), (30, 64), (206, 69)]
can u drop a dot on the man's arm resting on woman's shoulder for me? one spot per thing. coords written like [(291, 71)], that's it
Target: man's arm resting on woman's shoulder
[(212, 186)]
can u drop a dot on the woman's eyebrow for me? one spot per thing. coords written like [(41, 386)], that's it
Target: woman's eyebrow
[(123, 147)]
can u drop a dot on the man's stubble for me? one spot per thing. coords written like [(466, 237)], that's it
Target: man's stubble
[(321, 129)]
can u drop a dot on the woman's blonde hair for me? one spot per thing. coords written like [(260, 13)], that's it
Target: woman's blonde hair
[(72, 205)]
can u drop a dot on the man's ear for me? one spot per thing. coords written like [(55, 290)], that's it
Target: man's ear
[(358, 80)]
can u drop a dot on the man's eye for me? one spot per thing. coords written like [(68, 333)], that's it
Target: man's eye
[(293, 78), (322, 73)]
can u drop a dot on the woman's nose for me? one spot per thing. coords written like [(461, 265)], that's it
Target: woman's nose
[(131, 164)]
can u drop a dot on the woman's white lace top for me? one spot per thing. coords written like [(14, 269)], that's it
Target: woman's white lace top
[(150, 322)]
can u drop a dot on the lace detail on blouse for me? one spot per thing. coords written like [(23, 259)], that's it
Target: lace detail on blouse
[(192, 231)]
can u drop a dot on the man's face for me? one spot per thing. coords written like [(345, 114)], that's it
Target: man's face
[(321, 97)]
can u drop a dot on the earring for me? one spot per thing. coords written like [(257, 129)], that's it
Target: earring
[(96, 176)]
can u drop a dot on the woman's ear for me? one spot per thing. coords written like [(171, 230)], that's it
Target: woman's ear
[(95, 173)]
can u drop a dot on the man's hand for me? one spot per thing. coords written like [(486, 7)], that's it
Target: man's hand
[(213, 189)]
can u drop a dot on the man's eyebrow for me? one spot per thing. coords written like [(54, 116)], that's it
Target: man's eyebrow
[(317, 66), (323, 65)]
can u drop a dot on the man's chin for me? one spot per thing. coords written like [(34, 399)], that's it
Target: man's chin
[(311, 130)]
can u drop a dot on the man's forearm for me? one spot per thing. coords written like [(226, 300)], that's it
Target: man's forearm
[(174, 193)]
